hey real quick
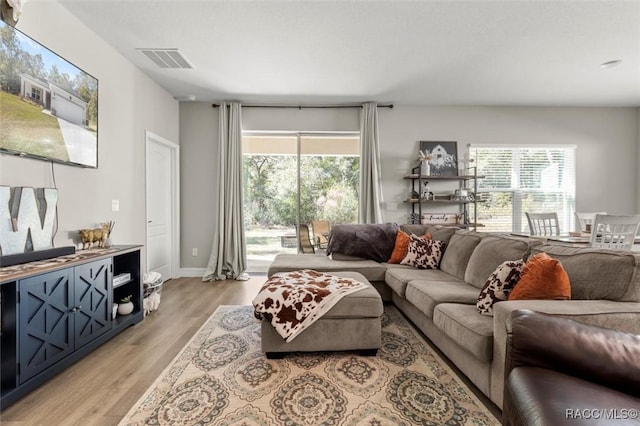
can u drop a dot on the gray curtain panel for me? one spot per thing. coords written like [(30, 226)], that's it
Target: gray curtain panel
[(228, 252), (370, 191)]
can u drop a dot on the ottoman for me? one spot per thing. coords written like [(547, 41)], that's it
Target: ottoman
[(354, 323), (372, 271)]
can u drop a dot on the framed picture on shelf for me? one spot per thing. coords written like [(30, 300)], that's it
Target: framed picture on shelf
[(444, 157)]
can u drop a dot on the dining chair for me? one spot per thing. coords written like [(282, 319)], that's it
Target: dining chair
[(304, 240), (543, 224), (321, 233), (584, 219), (615, 232)]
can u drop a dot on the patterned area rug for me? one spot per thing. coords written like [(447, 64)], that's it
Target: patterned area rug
[(223, 378)]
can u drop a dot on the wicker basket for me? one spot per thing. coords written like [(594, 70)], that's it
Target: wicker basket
[(152, 292)]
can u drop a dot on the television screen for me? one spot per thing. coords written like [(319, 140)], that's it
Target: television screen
[(48, 106)]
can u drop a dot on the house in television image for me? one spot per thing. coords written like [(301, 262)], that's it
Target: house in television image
[(62, 102)]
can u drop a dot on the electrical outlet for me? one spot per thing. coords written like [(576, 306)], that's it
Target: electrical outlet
[(115, 205), (194, 252)]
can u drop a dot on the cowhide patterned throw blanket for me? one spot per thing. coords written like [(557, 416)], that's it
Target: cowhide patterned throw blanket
[(292, 301)]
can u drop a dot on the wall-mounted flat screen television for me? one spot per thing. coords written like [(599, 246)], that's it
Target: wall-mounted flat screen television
[(48, 106)]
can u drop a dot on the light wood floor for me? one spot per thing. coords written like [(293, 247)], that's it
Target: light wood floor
[(102, 387)]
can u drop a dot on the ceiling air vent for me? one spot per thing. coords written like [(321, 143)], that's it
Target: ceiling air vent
[(166, 58)]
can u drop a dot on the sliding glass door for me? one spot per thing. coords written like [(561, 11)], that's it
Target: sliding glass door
[(294, 179)]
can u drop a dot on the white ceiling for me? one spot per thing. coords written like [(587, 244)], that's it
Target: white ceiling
[(498, 52)]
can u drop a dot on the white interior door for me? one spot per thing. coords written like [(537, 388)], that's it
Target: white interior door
[(162, 210)]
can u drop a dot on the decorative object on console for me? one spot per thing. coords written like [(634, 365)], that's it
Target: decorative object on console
[(34, 256), (443, 157), (125, 307), (89, 236), (109, 227), (120, 279), (63, 109), (27, 219)]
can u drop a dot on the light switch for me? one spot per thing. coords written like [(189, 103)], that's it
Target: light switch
[(194, 252), (115, 205)]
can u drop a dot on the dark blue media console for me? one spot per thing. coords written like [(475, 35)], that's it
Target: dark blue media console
[(53, 312)]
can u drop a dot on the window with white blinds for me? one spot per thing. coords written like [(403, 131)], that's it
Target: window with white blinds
[(521, 179)]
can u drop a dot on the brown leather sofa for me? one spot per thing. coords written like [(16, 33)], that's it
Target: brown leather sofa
[(562, 372)]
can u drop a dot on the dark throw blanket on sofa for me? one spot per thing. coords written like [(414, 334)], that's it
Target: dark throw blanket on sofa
[(375, 241)]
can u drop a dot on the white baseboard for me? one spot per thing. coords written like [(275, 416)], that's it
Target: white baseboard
[(192, 272), (199, 272)]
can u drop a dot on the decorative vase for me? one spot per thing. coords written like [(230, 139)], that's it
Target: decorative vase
[(107, 242), (125, 308), (425, 168)]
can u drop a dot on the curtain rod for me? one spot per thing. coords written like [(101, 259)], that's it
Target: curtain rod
[(306, 106)]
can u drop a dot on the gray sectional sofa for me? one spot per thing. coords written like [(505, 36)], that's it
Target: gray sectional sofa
[(605, 288)]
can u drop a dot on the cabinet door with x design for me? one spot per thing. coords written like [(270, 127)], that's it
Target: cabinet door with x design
[(93, 301), (61, 311)]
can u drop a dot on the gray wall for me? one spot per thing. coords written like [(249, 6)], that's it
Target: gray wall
[(608, 141), (129, 104), (198, 136)]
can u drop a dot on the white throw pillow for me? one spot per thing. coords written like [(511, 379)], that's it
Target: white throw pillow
[(422, 253)]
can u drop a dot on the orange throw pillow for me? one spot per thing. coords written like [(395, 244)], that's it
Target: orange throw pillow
[(401, 248), (542, 278)]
